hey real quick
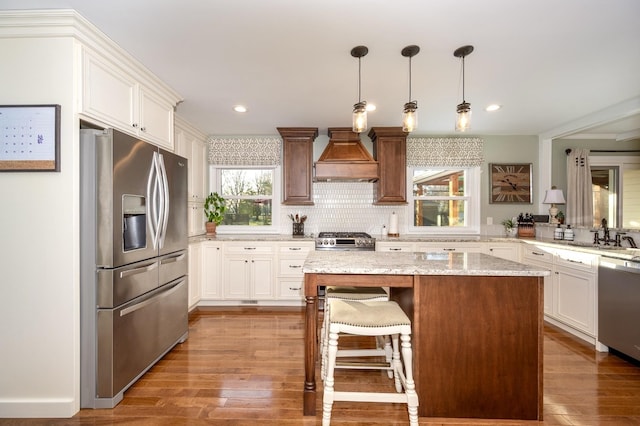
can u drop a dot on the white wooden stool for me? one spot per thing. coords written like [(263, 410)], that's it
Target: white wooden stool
[(383, 343), (371, 319)]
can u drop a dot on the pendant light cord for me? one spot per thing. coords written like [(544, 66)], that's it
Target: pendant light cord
[(409, 78), (463, 101), (359, 78)]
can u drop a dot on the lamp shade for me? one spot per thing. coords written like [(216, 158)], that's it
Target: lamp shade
[(554, 196)]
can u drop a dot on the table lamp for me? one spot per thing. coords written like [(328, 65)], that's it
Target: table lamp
[(553, 196)]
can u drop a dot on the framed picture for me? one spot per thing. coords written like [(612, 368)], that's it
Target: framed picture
[(30, 138), (510, 183)]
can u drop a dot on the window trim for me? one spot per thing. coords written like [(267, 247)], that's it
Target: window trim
[(615, 161), (472, 210), (215, 185)]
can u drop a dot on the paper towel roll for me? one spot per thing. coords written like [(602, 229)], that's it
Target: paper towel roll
[(393, 225)]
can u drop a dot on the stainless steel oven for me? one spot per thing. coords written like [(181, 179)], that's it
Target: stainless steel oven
[(352, 241)]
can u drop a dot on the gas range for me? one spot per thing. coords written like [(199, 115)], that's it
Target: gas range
[(359, 241)]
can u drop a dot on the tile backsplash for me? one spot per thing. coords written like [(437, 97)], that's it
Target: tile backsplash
[(344, 206)]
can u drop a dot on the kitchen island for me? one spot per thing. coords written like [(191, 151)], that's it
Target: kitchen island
[(476, 321)]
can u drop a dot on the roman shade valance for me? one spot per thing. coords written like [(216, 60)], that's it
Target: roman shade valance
[(245, 151), (447, 152)]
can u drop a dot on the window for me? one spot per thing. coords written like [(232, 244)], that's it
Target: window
[(442, 199), (616, 191), (249, 195)]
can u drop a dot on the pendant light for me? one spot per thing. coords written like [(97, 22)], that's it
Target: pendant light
[(410, 116), (463, 120), (359, 118)]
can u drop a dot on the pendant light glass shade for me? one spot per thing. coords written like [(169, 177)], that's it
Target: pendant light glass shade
[(410, 117), (463, 119), (359, 116), (410, 114), (359, 119)]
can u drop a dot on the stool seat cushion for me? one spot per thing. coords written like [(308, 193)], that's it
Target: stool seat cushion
[(369, 314)]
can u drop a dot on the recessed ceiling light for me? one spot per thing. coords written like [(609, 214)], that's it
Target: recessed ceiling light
[(371, 107), (240, 108), (493, 107)]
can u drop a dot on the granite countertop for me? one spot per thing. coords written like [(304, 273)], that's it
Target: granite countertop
[(624, 253), (399, 263), (250, 237)]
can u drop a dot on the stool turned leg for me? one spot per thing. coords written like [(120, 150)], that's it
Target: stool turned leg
[(324, 336), (327, 399), (384, 342), (410, 386), (397, 363)]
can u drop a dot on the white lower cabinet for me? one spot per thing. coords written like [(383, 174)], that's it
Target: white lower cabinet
[(248, 271), (570, 290), (542, 257), (450, 247), (211, 282), (508, 251), (291, 257), (575, 277), (394, 246), (195, 274)]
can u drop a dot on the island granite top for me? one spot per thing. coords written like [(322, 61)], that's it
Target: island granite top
[(414, 263)]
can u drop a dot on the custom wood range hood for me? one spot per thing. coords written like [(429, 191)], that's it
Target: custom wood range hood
[(345, 159)]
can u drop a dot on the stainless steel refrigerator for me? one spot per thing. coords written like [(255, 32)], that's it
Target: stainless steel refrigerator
[(133, 271)]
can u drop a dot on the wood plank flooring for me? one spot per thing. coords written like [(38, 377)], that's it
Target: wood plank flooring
[(244, 366)]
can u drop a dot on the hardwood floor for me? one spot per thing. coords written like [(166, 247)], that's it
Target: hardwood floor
[(244, 366)]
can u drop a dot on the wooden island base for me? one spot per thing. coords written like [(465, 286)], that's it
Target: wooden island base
[(477, 341)]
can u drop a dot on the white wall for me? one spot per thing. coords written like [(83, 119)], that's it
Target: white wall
[(39, 254)]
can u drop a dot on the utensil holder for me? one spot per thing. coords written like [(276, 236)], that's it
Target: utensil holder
[(298, 229)]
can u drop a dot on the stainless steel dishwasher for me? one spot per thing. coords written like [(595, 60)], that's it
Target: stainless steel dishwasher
[(619, 305)]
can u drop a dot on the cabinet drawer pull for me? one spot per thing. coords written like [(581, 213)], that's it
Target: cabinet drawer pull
[(449, 249), (574, 261), (294, 288), (295, 248), (295, 266), (394, 249), (249, 248), (537, 254)]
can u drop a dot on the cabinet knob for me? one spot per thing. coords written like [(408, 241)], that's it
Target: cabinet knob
[(134, 125), (144, 129)]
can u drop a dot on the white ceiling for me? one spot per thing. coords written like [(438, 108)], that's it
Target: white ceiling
[(548, 62)]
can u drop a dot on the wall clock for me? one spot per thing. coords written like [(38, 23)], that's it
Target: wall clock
[(510, 183)]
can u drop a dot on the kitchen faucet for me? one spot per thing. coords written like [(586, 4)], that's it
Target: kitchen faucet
[(606, 238), (631, 241)]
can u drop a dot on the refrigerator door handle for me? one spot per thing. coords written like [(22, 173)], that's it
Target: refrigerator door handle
[(164, 196), (152, 197), (136, 271), (174, 258)]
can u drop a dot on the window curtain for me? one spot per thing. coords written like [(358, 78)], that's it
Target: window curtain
[(579, 189), (447, 152), (244, 151)]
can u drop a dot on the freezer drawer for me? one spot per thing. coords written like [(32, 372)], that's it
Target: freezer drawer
[(120, 285), (173, 266), (131, 338)]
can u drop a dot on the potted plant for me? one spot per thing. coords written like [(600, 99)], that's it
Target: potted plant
[(214, 209), (509, 227)]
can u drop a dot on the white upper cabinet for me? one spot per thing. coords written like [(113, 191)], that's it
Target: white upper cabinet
[(192, 144), (119, 97)]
